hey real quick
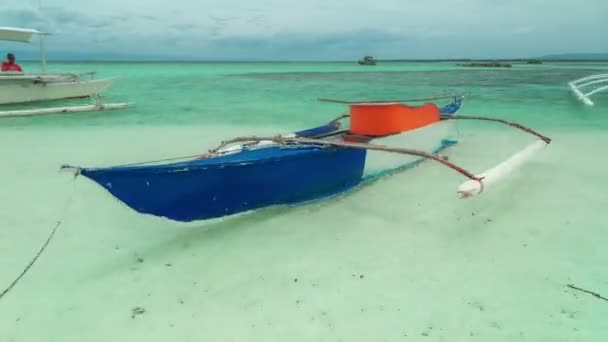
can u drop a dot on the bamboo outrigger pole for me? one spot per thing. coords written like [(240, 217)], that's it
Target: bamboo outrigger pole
[(390, 101), (285, 140), (512, 124)]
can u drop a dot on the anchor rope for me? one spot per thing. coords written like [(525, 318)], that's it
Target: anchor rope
[(46, 243)]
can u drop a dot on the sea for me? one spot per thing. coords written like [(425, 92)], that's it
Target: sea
[(403, 259)]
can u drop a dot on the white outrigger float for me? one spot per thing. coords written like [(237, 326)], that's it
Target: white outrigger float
[(25, 88), (599, 81)]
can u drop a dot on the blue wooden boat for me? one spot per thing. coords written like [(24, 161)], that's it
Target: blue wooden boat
[(250, 173)]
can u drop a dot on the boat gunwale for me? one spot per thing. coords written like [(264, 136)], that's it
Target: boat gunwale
[(195, 164)]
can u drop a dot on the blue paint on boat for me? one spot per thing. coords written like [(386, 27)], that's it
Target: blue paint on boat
[(452, 107), (204, 189), (320, 130)]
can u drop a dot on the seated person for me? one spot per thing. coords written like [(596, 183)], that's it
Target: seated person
[(11, 65)]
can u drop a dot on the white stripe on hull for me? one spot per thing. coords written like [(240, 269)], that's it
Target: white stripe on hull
[(426, 139), (25, 91)]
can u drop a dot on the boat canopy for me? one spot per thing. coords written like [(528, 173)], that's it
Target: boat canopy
[(17, 34)]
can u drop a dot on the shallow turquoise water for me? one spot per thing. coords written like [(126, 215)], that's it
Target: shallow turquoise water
[(401, 259), (286, 93)]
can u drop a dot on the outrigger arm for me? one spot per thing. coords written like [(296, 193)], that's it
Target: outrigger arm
[(283, 140), (577, 87), (475, 184), (502, 170), (508, 123)]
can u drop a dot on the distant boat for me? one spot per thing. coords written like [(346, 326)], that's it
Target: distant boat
[(367, 60), (21, 88)]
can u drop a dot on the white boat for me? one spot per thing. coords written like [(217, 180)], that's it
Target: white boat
[(583, 90), (25, 88)]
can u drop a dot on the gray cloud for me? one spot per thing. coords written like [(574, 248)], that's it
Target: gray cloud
[(221, 20), (183, 26), (20, 17), (279, 29)]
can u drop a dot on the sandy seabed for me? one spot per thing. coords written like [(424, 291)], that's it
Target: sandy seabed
[(401, 259)]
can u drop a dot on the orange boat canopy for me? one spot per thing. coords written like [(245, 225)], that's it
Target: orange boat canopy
[(390, 118)]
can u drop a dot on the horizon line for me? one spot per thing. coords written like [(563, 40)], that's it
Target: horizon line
[(162, 60)]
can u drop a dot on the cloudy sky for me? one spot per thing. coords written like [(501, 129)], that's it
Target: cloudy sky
[(312, 29)]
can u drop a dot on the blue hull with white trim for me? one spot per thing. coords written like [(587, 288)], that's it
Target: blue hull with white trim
[(252, 176)]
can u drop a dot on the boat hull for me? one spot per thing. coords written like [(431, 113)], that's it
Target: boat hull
[(27, 90), (246, 181)]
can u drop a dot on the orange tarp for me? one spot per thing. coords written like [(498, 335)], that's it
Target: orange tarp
[(390, 118)]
